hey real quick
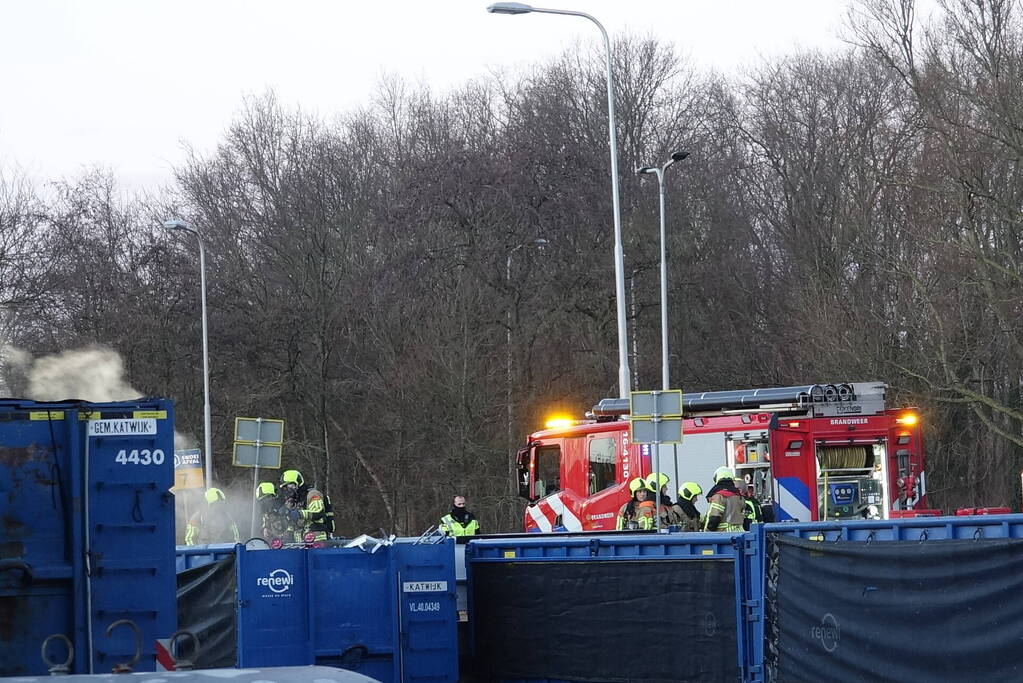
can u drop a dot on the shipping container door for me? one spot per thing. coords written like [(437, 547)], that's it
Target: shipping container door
[(428, 612), (36, 544), (352, 610), (129, 532), (273, 608)]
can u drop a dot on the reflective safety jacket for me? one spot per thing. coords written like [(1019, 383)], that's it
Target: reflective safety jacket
[(211, 525), (317, 517), (754, 513), (452, 527), (641, 516), (689, 520), (727, 511)]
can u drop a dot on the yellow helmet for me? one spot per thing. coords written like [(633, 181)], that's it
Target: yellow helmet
[(266, 490), (689, 490), (213, 495), (656, 480), (637, 484), (723, 473), (292, 477)]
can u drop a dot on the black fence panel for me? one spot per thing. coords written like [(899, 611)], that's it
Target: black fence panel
[(652, 621), (894, 610), (207, 606)]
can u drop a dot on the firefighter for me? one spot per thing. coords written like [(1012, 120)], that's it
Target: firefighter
[(274, 518), (751, 507), (684, 511), (212, 523), (660, 480), (309, 510), (459, 522), (727, 508), (638, 513)]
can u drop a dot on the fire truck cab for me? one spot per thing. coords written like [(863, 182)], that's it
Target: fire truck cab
[(810, 453)]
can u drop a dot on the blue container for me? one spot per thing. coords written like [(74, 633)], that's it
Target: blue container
[(607, 546), (188, 556), (389, 614), (920, 529), (87, 535), (538, 603)]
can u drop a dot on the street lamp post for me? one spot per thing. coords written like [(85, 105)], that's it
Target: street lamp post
[(177, 224), (619, 254), (659, 172), (539, 242)]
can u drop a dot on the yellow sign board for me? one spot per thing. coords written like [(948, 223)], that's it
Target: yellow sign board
[(46, 415), (188, 479), (188, 472), (150, 414)]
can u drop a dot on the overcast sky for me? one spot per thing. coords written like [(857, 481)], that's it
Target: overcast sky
[(125, 83)]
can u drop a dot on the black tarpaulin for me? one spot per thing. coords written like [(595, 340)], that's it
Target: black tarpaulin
[(666, 620), (207, 606), (895, 610)]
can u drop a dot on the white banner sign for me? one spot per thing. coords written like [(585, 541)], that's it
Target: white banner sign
[(425, 586), (144, 427)]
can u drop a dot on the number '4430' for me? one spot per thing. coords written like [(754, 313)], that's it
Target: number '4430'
[(142, 456)]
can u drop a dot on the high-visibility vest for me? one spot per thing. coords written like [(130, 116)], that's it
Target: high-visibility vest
[(753, 512), (452, 527)]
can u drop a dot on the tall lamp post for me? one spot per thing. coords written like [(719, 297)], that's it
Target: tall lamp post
[(659, 172), (619, 254), (178, 224), (539, 242)]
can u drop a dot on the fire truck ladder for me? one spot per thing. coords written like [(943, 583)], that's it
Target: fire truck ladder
[(824, 399)]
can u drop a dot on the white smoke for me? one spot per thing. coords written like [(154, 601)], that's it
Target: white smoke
[(184, 442), (94, 373), (14, 363)]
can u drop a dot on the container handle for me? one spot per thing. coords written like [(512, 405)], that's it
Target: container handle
[(58, 668), (184, 663), (126, 667), (19, 566)]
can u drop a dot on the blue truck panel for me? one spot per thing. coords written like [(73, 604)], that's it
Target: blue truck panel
[(87, 534)]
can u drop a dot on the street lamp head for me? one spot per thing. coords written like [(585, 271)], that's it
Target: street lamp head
[(679, 156), (645, 169), (176, 224), (509, 8)]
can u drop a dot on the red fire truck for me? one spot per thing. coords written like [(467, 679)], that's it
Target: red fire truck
[(813, 452)]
